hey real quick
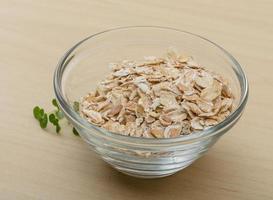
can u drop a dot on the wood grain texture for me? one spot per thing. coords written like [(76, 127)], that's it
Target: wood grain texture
[(35, 164)]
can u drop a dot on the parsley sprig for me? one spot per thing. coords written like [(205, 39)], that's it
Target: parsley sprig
[(53, 117)]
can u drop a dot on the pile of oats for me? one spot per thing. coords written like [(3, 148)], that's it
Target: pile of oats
[(158, 98)]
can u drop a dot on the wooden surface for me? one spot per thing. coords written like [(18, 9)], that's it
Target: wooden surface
[(36, 164)]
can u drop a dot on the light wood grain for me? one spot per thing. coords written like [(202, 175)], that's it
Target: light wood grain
[(35, 164)]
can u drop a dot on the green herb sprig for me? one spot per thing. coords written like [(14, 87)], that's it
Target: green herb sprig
[(53, 117)]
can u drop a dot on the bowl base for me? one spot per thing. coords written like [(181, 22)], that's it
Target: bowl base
[(148, 174)]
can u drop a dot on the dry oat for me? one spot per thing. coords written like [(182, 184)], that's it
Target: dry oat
[(158, 98), (157, 132)]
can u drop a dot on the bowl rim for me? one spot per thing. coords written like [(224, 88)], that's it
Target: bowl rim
[(76, 118)]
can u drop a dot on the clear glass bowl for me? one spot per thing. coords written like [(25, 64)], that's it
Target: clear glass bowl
[(86, 63)]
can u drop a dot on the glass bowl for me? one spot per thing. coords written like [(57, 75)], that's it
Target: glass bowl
[(86, 63)]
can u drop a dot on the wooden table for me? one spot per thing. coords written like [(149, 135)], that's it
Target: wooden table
[(37, 164)]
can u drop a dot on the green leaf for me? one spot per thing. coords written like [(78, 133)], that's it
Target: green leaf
[(43, 121), (75, 132), (42, 112), (76, 106), (52, 119), (59, 114), (36, 112), (54, 103)]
